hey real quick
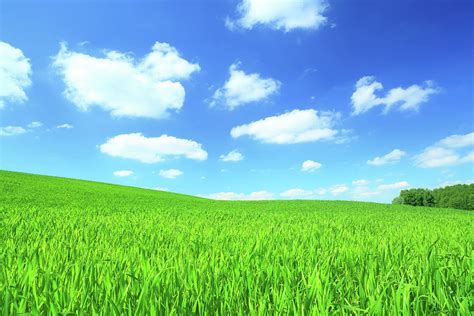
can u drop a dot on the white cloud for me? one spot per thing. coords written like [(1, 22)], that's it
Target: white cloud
[(152, 149), (242, 88), (393, 186), (165, 63), (360, 182), (364, 97), (35, 124), (458, 141), (338, 189), (345, 136), (232, 156), (334, 190), (310, 166), (447, 152), (123, 86), (297, 126), (360, 192), (280, 14), (467, 158), (18, 130), (433, 157), (259, 195), (15, 73), (436, 157), (65, 126), (123, 173), (392, 157), (170, 173), (297, 193), (12, 130), (449, 183), (364, 192), (321, 191)]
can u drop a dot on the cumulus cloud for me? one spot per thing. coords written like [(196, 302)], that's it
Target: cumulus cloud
[(15, 73), (297, 193), (232, 156), (280, 14), (393, 186), (12, 130), (321, 191), (165, 63), (297, 126), (170, 173), (360, 191), (126, 87), (35, 124), (447, 152), (152, 149), (360, 182), (65, 126), (338, 189), (468, 158), (437, 157), (258, 195), (310, 166), (392, 157), (123, 173), (458, 141), (242, 88), (365, 98), (18, 130), (364, 192)]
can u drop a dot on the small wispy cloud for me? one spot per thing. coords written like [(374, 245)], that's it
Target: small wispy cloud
[(65, 126), (123, 173), (232, 156), (310, 166), (392, 157), (18, 130), (170, 173)]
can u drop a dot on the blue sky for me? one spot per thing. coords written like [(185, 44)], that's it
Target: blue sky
[(241, 99)]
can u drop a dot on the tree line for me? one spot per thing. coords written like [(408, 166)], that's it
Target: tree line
[(459, 196)]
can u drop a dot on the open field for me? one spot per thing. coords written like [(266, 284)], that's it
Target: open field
[(70, 246)]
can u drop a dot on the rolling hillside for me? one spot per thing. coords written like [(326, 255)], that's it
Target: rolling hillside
[(80, 247)]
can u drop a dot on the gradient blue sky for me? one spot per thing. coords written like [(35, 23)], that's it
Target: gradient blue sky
[(299, 55)]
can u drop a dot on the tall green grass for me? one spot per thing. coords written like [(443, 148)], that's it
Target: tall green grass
[(78, 247)]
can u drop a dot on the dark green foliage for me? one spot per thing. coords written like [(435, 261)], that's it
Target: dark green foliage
[(417, 197), (428, 198), (398, 200), (459, 196)]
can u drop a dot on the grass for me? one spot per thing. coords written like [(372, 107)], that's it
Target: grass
[(79, 247)]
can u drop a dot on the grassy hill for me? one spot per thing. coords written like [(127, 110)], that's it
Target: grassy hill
[(80, 247)]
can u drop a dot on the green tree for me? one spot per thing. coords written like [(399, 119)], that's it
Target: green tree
[(416, 197), (459, 196), (398, 200)]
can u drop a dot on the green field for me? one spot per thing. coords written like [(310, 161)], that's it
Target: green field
[(78, 247)]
